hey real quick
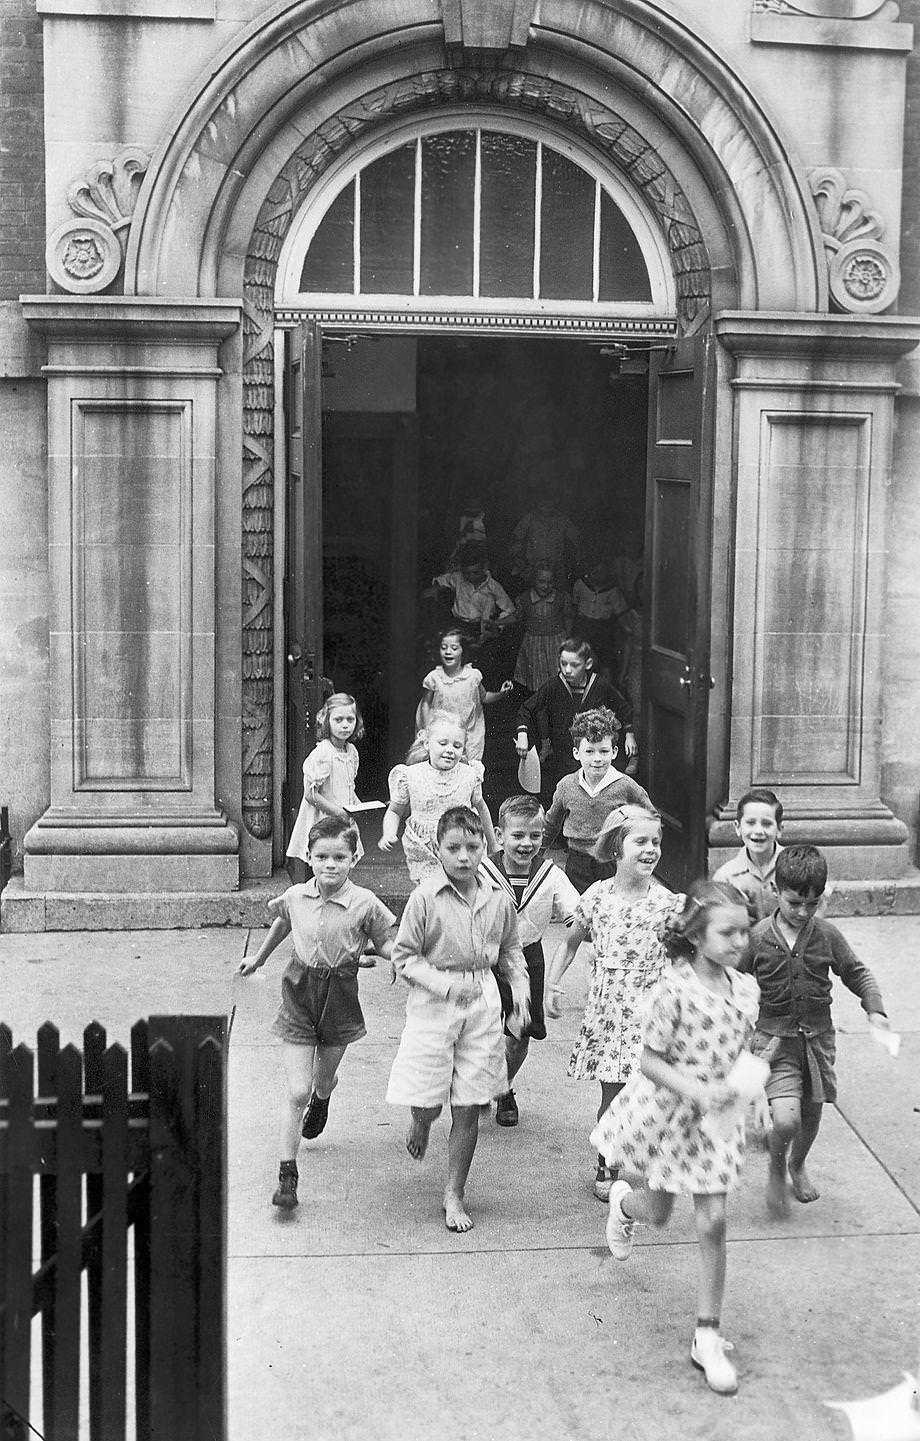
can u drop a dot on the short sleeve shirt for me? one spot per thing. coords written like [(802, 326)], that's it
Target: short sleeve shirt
[(333, 930)]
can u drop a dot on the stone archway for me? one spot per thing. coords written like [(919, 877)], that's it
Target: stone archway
[(623, 148)]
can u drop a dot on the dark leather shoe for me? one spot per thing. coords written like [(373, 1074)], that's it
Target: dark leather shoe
[(506, 1111), (314, 1117)]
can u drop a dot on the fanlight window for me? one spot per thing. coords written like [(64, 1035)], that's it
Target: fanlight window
[(481, 214)]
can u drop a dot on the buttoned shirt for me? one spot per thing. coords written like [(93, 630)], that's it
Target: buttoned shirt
[(795, 983), (757, 884), (442, 932), (484, 601), (333, 930)]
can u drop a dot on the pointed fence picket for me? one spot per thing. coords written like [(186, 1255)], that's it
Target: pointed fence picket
[(111, 1161)]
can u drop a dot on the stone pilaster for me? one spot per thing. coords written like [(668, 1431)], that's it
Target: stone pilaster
[(813, 431), (132, 392)]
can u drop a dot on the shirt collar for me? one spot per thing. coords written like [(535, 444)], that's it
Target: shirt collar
[(338, 898), (484, 887), (612, 775)]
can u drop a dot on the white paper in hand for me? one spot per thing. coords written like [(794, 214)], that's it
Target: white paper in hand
[(747, 1079), (529, 772), (890, 1040)]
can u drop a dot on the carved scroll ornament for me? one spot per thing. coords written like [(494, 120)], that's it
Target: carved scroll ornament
[(862, 272), (84, 255)]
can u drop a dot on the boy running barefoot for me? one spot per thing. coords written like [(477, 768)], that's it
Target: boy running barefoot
[(791, 957), (758, 823), (456, 927), (541, 893)]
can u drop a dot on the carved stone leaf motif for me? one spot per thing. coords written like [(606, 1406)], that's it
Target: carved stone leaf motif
[(108, 192), (863, 275), (85, 255)]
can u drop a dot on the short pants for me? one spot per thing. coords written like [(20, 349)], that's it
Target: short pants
[(583, 870), (320, 1006), (536, 971), (450, 1051), (801, 1066)]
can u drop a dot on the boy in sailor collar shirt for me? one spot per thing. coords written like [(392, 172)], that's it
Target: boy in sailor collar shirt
[(542, 894)]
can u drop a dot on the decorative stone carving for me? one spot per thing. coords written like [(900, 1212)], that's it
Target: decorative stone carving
[(863, 274), (626, 148), (830, 9), (85, 255)]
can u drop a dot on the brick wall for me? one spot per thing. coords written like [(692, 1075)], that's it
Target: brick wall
[(909, 300), (22, 181)]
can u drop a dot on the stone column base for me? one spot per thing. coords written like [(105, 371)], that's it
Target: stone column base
[(69, 855), (866, 845)]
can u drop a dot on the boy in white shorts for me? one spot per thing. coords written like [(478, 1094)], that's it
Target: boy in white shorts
[(456, 926)]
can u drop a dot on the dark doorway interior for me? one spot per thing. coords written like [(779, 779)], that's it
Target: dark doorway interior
[(411, 427)]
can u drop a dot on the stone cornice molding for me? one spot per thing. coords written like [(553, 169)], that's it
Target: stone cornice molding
[(100, 318), (885, 338)]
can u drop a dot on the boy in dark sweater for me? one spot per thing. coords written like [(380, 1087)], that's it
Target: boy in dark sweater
[(791, 956), (546, 717)]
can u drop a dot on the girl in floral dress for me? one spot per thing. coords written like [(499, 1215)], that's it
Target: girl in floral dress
[(425, 790), (624, 917), (456, 687), (547, 615), (679, 1121)]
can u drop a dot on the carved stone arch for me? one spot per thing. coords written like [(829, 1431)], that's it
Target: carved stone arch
[(621, 145)]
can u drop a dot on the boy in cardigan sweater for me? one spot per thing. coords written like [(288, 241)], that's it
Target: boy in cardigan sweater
[(583, 800)]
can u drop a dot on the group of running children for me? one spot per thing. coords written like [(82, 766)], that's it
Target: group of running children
[(681, 986)]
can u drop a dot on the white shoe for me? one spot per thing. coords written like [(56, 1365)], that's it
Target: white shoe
[(708, 1355), (619, 1227)]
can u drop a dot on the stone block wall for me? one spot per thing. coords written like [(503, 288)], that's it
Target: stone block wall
[(24, 735)]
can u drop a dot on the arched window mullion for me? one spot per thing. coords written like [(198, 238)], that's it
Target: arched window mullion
[(357, 236), (477, 213), (596, 250), (417, 221), (537, 221)]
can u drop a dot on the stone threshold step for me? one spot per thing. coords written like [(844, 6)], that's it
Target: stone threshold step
[(32, 911)]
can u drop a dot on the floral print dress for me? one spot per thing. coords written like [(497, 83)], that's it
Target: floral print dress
[(629, 957), (653, 1131), (428, 793)]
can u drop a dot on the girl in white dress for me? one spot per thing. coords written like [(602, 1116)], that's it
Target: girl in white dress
[(679, 1121), (456, 687), (424, 791), (329, 771)]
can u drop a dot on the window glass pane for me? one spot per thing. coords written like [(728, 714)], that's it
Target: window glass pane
[(567, 230), (330, 262), (623, 273), (387, 200), (509, 182), (448, 172)]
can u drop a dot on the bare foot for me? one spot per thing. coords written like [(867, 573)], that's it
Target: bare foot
[(777, 1195), (455, 1214), (803, 1188), (417, 1137)]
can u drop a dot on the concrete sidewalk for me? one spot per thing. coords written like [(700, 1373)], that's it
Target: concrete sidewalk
[(361, 1316)]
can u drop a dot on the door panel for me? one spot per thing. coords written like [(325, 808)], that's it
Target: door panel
[(303, 573), (677, 549)]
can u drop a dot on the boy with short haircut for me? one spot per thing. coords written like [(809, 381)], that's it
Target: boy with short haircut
[(792, 954), (758, 823), (455, 928), (541, 894), (584, 799)]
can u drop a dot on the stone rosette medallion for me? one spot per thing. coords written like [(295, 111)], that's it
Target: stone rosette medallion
[(85, 255), (862, 271)]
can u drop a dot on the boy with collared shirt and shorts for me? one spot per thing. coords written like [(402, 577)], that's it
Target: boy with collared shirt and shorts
[(331, 920), (791, 956), (456, 926), (758, 823)]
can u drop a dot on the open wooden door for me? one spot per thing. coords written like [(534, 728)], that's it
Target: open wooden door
[(677, 569), (303, 571)]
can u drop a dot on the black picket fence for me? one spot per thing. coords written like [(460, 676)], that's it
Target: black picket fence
[(144, 1165)]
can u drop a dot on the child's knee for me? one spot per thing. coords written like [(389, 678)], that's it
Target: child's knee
[(786, 1116), (299, 1095), (710, 1224)]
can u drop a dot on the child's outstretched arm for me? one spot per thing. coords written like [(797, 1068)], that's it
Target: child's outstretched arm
[(484, 814), (279, 929), (713, 1096), (394, 813), (489, 697), (563, 956), (328, 807), (423, 710)]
